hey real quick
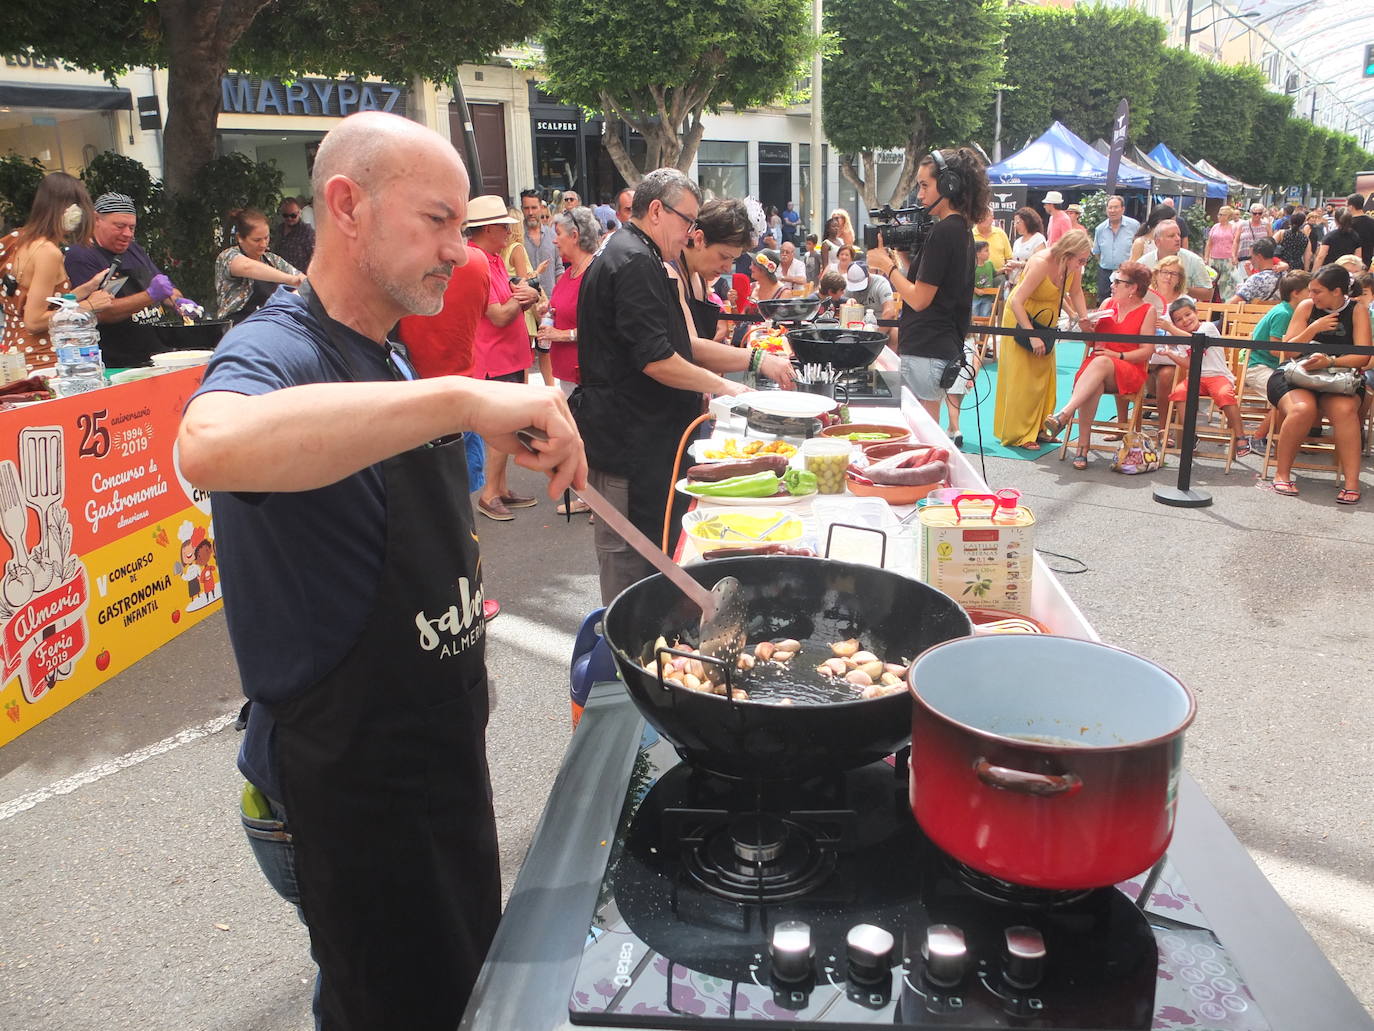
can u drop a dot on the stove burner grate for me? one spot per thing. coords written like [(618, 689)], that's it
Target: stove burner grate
[(758, 857)]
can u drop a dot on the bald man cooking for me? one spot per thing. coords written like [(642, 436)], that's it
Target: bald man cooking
[(353, 584)]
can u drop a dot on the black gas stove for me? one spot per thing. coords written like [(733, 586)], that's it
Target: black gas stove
[(876, 387), (823, 904)]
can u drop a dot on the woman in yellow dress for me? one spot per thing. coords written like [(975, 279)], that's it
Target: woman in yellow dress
[(1026, 378)]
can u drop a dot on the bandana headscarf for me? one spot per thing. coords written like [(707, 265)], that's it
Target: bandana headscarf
[(115, 204)]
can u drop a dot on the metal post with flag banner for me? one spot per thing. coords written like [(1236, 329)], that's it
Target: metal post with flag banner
[(1121, 127)]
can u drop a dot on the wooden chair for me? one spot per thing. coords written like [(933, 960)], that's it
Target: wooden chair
[(1173, 424), (1116, 428), (1313, 453), (984, 339)]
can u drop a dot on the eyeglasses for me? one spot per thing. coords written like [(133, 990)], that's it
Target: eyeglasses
[(1117, 280), (291, 216), (691, 222)]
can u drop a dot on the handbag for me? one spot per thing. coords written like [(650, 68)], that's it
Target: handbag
[(1054, 324), (1138, 453), (1322, 381)]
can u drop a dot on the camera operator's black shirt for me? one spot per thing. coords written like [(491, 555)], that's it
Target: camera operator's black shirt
[(946, 264)]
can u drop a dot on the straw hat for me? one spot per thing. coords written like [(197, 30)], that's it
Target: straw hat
[(488, 211)]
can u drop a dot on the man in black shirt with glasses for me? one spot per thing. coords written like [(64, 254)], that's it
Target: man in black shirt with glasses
[(641, 384)]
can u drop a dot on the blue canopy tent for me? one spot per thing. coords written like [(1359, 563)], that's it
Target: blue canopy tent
[(1060, 160), (1163, 156)]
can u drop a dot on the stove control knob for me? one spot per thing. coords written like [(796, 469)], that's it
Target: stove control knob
[(946, 955), (869, 951), (791, 951), (1025, 959)]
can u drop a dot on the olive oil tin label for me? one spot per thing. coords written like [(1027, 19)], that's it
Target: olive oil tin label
[(979, 559)]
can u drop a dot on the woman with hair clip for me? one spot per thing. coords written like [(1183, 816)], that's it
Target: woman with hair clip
[(937, 291), (721, 233), (31, 268), (247, 273)]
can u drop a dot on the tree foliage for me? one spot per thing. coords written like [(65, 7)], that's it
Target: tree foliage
[(197, 41), (1074, 65), (909, 75), (1226, 114), (1265, 161), (659, 67), (1174, 109)]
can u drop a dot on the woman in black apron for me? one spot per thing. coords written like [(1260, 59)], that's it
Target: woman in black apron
[(722, 233), (384, 772)]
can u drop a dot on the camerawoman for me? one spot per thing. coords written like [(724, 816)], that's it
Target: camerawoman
[(936, 287)]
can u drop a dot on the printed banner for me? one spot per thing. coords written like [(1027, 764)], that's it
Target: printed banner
[(109, 551)]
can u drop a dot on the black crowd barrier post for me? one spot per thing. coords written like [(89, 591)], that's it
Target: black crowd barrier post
[(1183, 495)]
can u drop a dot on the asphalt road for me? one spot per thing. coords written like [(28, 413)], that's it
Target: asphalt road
[(131, 900)]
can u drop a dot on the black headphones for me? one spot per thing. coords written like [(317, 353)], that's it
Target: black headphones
[(948, 183)]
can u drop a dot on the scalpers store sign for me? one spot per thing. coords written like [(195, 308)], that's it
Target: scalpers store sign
[(330, 98)]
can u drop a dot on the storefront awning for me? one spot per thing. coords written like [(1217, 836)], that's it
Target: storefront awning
[(68, 98)]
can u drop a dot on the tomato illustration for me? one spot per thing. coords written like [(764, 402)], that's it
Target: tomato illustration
[(102, 661), (176, 615)]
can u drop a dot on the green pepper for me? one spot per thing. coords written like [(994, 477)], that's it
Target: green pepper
[(756, 485), (800, 482)]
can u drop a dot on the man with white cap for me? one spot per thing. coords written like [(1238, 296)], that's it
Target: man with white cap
[(123, 342), (501, 348), (1057, 221), (872, 291)]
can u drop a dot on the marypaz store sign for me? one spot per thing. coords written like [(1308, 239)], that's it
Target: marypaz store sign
[(110, 551), (331, 98)]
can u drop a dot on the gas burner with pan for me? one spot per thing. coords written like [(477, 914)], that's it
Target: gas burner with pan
[(1010, 894)]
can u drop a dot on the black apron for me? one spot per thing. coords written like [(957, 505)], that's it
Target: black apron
[(259, 294), (705, 315), (384, 772)]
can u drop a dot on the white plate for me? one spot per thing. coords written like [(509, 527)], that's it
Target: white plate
[(783, 499), (793, 403), (181, 359), (698, 448)]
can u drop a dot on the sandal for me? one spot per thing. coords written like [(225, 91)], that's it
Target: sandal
[(1289, 489), (1080, 461), (578, 507), (1243, 447), (1051, 426), (1346, 496)]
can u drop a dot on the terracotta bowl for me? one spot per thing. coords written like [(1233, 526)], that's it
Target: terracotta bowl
[(895, 433), (888, 448), (892, 495)]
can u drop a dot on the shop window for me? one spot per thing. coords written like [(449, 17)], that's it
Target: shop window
[(723, 169)]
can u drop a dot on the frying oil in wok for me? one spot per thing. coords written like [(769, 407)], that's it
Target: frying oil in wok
[(771, 682)]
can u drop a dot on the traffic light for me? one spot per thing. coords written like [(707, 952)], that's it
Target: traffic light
[(1369, 61)]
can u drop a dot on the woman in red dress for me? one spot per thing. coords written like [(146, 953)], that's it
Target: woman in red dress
[(1110, 367)]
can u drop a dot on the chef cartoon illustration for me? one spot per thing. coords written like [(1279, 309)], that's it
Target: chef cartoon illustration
[(196, 565)]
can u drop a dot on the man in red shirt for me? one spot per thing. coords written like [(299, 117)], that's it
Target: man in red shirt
[(441, 345), (501, 346)]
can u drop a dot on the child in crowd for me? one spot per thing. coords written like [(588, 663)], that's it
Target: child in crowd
[(1265, 363), (986, 281), (1217, 381)]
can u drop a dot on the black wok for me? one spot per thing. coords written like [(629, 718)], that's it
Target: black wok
[(894, 616), (789, 309), (838, 347), (203, 335)]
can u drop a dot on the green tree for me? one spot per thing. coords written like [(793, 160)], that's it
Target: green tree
[(198, 41), (1303, 153), (661, 67), (1074, 65), (1231, 96), (1174, 109), (1265, 161), (907, 75)]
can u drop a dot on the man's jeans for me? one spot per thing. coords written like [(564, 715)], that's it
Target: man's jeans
[(276, 856)]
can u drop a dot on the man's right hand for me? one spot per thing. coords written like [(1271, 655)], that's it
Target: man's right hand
[(499, 410), (526, 296)]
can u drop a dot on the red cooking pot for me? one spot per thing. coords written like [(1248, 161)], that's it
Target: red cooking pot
[(1046, 761)]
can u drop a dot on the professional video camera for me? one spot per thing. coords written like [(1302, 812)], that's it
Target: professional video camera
[(903, 229)]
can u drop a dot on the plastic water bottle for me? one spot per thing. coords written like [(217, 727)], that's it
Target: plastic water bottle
[(76, 340), (545, 323), (870, 320)]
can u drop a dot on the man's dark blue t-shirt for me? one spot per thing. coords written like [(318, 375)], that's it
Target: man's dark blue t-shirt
[(300, 569)]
